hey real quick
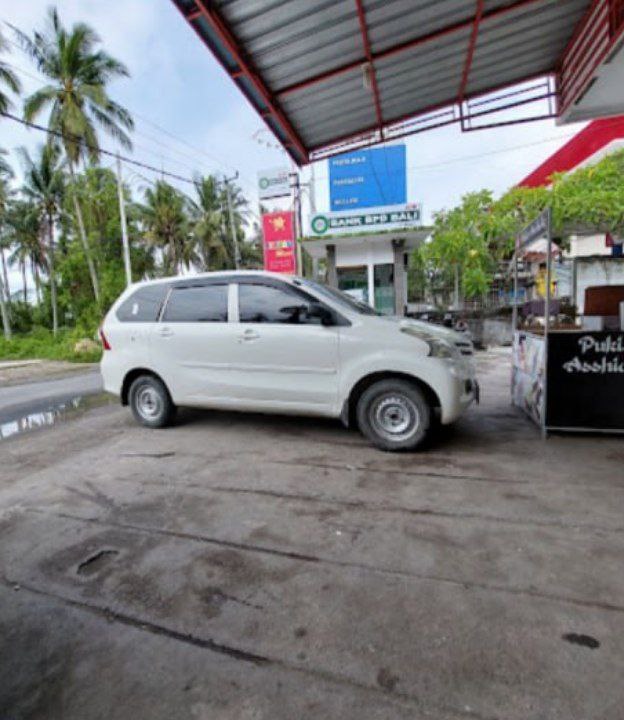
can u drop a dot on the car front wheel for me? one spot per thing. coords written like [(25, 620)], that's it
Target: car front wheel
[(394, 415), (150, 402)]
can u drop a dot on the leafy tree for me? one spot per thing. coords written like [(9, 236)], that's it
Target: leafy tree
[(4, 278), (76, 97), (44, 187), (207, 218), (165, 217), (23, 225), (96, 189), (8, 79), (460, 244), (240, 212), (592, 198)]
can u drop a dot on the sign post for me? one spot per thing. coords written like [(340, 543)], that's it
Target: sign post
[(273, 182)]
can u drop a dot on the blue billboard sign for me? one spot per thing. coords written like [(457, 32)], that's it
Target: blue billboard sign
[(372, 177)]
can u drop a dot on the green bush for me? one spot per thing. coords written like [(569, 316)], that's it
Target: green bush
[(39, 343)]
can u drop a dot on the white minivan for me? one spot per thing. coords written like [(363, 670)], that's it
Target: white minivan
[(256, 341)]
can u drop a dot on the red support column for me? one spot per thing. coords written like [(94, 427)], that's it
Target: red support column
[(369, 58), (245, 69), (471, 51)]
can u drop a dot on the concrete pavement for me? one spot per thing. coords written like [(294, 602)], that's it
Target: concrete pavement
[(249, 567)]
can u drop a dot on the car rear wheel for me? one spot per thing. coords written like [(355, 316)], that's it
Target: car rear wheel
[(394, 415), (150, 402)]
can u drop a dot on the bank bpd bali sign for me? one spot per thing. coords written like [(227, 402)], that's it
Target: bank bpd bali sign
[(344, 223)]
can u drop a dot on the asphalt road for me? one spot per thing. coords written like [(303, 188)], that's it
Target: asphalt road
[(18, 401)]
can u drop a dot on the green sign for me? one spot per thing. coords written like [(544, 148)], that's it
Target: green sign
[(342, 223)]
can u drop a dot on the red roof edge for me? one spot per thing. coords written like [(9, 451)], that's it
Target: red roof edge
[(590, 140)]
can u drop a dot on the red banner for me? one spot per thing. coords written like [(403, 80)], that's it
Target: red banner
[(279, 242)]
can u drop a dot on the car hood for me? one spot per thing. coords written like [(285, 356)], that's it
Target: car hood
[(430, 329)]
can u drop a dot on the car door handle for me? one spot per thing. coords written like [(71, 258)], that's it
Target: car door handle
[(248, 336), (165, 332)]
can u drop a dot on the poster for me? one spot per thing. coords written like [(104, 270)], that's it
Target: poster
[(278, 230), (527, 382)]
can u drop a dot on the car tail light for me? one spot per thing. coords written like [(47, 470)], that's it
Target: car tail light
[(105, 343)]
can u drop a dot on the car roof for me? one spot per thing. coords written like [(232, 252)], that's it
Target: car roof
[(224, 274)]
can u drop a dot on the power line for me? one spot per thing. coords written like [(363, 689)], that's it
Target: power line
[(213, 158), (94, 148)]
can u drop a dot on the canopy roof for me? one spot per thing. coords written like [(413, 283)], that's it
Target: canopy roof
[(326, 75)]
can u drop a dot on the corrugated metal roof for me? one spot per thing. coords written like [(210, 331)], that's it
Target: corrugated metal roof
[(303, 64)]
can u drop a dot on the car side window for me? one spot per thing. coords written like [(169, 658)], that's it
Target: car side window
[(144, 304), (199, 303), (259, 303)]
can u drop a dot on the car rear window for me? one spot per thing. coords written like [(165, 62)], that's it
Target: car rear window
[(203, 303), (144, 304)]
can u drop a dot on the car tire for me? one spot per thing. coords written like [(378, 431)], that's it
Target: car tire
[(150, 402), (394, 415)]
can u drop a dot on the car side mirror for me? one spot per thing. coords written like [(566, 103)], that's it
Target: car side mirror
[(325, 315)]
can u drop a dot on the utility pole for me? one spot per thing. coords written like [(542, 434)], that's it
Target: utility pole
[(296, 186), (124, 226), (237, 256)]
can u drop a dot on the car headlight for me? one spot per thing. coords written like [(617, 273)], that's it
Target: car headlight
[(440, 349)]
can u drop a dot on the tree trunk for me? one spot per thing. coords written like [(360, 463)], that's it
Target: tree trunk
[(24, 281), (456, 290), (52, 275), (5, 273), (6, 324), (83, 239), (35, 273)]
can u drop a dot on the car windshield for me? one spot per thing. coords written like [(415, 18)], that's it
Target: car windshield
[(339, 297)]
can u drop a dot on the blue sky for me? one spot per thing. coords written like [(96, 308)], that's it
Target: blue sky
[(176, 85)]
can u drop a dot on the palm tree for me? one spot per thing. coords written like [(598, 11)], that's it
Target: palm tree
[(239, 214), (5, 193), (44, 186), (7, 78), (77, 99), (208, 222), (23, 225), (164, 215)]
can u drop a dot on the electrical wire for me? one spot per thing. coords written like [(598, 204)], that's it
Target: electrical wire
[(95, 149), (245, 179)]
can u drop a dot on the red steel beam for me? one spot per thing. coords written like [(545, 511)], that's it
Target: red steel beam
[(471, 51), (409, 45), (244, 66), (354, 136), (369, 57)]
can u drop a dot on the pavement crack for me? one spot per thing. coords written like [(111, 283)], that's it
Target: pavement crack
[(157, 455), (371, 507), (145, 625), (403, 473), (457, 582)]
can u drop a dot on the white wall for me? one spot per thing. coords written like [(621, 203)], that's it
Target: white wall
[(589, 245), (363, 254)]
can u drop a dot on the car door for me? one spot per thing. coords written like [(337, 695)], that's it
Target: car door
[(191, 346), (284, 357)]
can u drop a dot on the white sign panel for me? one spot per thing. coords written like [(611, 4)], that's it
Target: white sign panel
[(374, 220), (274, 182)]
